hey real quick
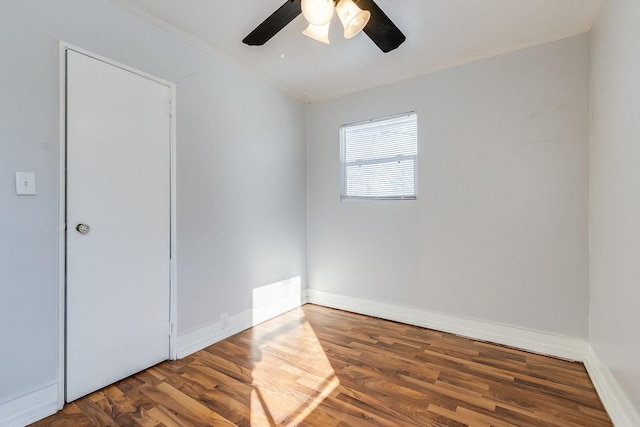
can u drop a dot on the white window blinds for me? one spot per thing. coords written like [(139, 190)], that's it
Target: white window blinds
[(378, 158)]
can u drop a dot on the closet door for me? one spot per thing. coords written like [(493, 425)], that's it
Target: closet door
[(118, 223)]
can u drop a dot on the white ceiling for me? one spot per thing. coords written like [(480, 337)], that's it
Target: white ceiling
[(440, 34)]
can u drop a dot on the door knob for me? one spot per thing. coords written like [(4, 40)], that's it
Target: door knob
[(83, 228)]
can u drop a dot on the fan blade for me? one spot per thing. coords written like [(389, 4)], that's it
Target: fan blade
[(380, 28), (274, 23)]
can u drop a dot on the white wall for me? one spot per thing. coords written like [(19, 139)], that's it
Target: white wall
[(241, 176), (241, 195), (499, 230), (614, 194)]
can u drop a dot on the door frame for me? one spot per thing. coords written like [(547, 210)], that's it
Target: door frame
[(62, 214)]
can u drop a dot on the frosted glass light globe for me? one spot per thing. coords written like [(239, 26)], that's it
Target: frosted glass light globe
[(317, 12), (352, 17)]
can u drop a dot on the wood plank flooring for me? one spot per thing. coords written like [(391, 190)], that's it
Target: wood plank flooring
[(316, 366)]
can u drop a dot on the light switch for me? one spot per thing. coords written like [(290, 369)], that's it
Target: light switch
[(25, 183)]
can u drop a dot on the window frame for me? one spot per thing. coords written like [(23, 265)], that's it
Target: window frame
[(381, 160)]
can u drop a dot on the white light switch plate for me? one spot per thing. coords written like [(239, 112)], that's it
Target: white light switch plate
[(25, 183)]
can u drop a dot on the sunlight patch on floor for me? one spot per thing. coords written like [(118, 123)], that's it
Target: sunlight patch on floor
[(289, 380)]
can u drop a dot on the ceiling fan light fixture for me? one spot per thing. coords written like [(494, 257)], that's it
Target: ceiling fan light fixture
[(318, 32), (377, 25), (317, 12), (352, 17)]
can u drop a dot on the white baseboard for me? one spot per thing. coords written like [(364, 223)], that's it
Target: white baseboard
[(30, 407), (304, 296), (526, 339), (41, 403), (203, 337), (620, 410), (618, 406), (269, 301)]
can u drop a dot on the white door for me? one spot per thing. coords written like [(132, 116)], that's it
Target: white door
[(118, 184)]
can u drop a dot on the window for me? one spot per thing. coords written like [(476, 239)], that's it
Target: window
[(378, 158)]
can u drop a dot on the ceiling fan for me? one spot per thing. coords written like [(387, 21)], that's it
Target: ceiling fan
[(356, 16)]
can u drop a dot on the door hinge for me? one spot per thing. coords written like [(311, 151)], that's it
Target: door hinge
[(170, 328)]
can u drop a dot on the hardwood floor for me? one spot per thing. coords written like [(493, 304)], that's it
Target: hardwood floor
[(316, 366)]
